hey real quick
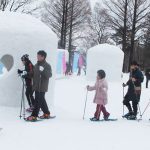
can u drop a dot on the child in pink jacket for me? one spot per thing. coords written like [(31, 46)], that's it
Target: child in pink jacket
[(100, 98)]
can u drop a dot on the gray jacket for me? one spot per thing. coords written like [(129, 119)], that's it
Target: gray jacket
[(41, 78)]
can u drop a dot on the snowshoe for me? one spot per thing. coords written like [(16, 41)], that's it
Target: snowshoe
[(47, 116), (109, 119), (94, 119), (132, 117), (127, 115), (31, 119)]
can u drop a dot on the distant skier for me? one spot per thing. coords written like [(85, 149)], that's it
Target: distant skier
[(147, 74), (100, 98), (27, 75), (41, 76), (134, 91)]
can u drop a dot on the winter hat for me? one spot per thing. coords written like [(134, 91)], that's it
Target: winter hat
[(42, 53), (101, 73), (25, 57)]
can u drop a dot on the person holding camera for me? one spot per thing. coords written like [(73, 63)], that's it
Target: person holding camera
[(41, 75), (27, 76), (134, 91)]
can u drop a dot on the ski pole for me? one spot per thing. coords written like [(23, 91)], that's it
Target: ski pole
[(139, 109), (21, 108), (85, 104), (24, 109), (21, 101), (144, 111)]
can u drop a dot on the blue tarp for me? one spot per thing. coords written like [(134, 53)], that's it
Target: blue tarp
[(59, 63), (75, 62)]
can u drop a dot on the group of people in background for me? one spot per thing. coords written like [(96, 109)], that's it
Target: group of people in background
[(81, 65), (37, 80)]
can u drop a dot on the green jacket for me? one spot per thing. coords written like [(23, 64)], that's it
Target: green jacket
[(41, 78)]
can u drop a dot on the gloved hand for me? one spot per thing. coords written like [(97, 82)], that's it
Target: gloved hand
[(124, 85), (20, 71), (41, 68)]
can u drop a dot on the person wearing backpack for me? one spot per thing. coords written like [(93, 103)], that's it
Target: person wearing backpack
[(134, 91)]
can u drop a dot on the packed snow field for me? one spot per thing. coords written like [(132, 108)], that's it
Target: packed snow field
[(68, 131)]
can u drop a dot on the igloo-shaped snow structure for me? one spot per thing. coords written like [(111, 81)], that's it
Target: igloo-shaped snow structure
[(106, 57), (23, 34)]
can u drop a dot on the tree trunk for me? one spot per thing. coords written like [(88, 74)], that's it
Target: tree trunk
[(62, 40), (126, 62), (124, 42), (133, 33), (70, 36)]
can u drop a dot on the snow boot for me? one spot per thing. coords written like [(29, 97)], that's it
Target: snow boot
[(106, 116), (31, 118), (127, 115), (94, 119), (132, 117), (45, 116)]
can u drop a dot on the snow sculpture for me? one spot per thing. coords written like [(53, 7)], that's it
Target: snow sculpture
[(23, 34), (106, 57)]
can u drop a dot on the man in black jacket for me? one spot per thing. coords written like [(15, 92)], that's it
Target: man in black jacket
[(27, 75), (134, 91)]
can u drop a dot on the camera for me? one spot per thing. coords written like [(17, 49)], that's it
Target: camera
[(20, 71)]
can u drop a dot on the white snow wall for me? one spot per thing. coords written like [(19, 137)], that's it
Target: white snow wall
[(106, 57), (23, 34)]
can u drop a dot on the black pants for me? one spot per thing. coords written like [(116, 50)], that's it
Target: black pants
[(40, 103), (147, 80), (79, 71), (134, 98), (29, 95)]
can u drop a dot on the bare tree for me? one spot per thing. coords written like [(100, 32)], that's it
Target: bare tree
[(55, 15), (4, 4), (99, 25), (78, 17), (66, 18), (24, 6), (146, 42), (128, 19), (139, 11), (118, 10)]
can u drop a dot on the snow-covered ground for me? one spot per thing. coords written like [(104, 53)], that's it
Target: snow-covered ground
[(68, 131)]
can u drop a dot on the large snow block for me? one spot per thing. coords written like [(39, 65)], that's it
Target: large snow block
[(23, 34), (106, 57)]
